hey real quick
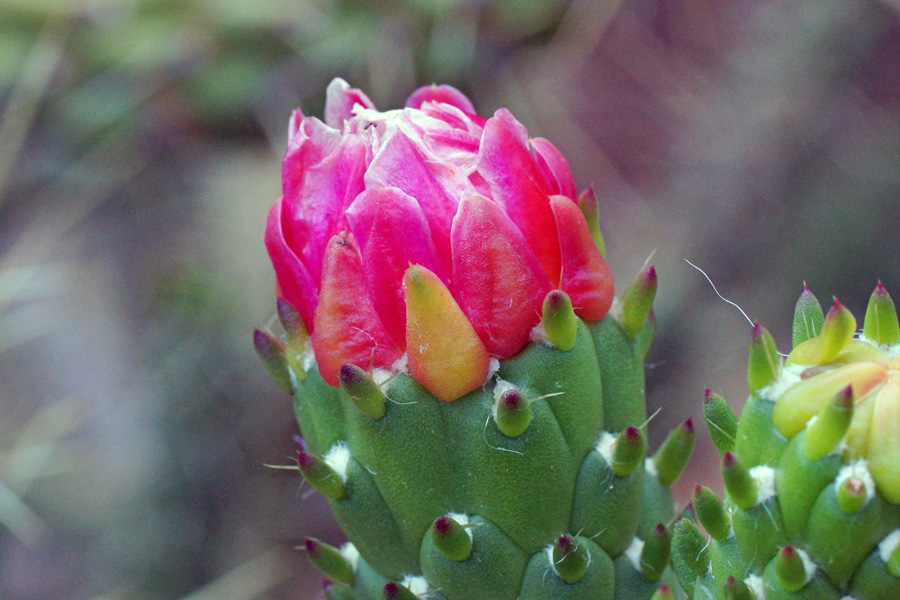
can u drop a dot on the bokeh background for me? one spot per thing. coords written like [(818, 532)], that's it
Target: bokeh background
[(140, 147)]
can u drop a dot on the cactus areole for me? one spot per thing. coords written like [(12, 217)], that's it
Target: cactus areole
[(812, 468), (470, 395)]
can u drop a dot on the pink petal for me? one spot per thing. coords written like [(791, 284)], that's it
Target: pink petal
[(498, 280), (446, 94), (294, 123), (392, 233), (586, 278), (348, 329), (400, 163), (555, 167), (322, 174), (340, 99), (518, 184), (294, 281)]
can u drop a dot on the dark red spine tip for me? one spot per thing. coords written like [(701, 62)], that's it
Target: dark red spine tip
[(757, 331), (311, 545), (565, 543), (556, 298), (787, 552), (707, 395), (442, 525), (512, 398), (305, 460), (729, 460), (689, 426), (632, 433), (698, 489), (660, 529), (731, 580), (390, 590), (664, 589)]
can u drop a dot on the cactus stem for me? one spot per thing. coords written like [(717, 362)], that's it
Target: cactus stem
[(329, 560), (629, 451), (720, 421), (828, 429), (451, 538), (711, 513), (655, 554), (741, 487), (790, 569), (881, 325), (570, 558), (363, 391), (321, 476), (673, 455), (271, 352), (637, 301), (763, 364), (559, 321)]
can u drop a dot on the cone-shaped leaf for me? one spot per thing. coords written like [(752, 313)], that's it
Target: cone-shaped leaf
[(445, 353), (720, 421), (663, 593), (790, 570), (329, 561), (559, 320), (711, 513), (271, 352), (829, 428), (585, 276), (881, 324), (763, 365), (691, 546), (395, 591), (852, 495), (808, 317), (348, 329), (673, 455), (570, 558), (736, 589), (837, 332), (631, 447), (513, 413), (655, 554), (884, 441), (740, 485), (296, 336), (893, 562), (321, 476), (498, 281), (451, 539), (363, 391), (590, 208), (637, 301)]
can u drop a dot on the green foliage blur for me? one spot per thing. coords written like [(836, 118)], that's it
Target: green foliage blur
[(140, 147)]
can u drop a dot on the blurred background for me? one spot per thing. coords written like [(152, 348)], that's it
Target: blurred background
[(140, 148)]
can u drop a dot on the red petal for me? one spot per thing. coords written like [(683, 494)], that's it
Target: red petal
[(499, 282), (555, 168), (586, 278), (294, 281), (518, 184), (347, 328), (340, 99), (322, 173), (401, 164), (446, 94), (392, 232)]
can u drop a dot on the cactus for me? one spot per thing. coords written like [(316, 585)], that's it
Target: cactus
[(470, 395), (811, 469)]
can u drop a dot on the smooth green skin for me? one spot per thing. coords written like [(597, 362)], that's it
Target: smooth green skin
[(622, 367), (632, 585), (873, 581), (757, 442), (726, 560), (542, 583), (759, 533), (817, 589), (830, 527), (603, 498), (524, 486), (798, 482), (495, 561)]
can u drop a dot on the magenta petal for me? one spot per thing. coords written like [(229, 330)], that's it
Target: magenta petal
[(322, 174), (294, 281), (555, 167), (517, 183), (392, 233), (499, 282), (446, 94), (340, 99), (400, 163)]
